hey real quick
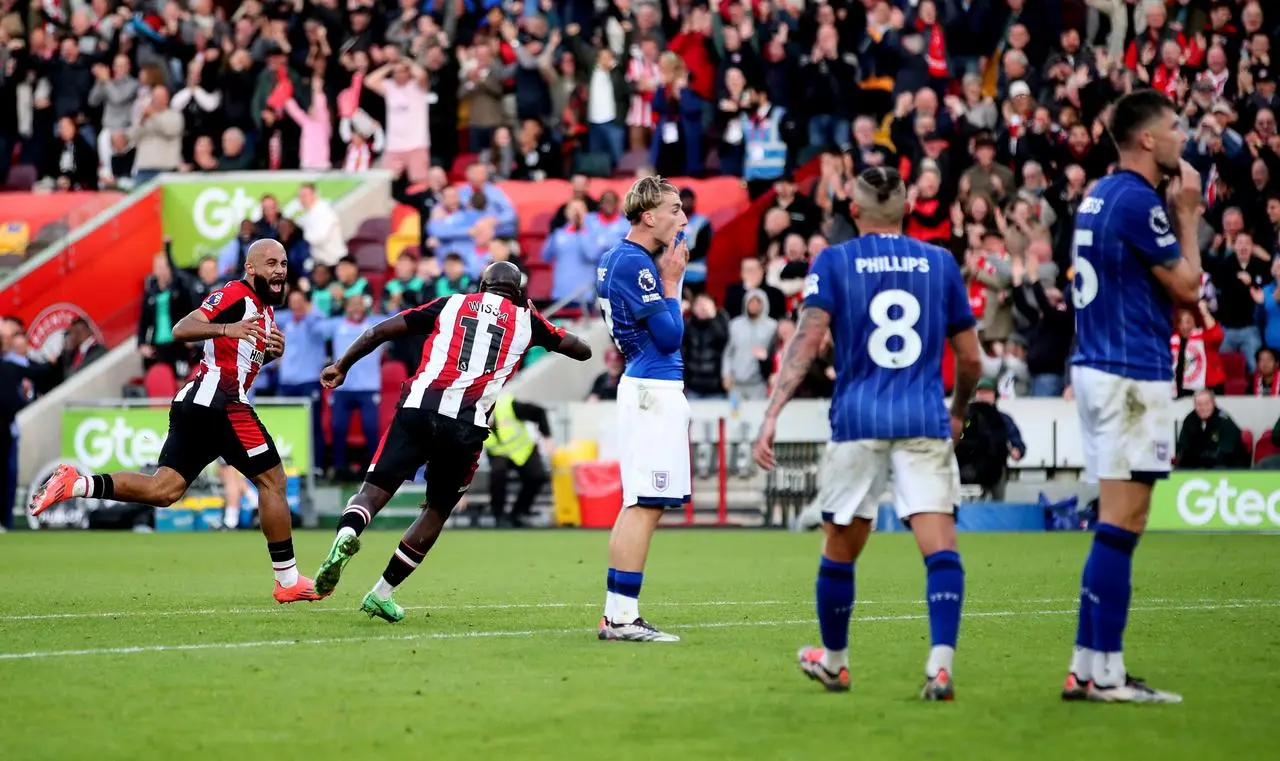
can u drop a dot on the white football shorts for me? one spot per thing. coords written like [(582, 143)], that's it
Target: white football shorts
[(653, 432), (1126, 425), (855, 474)]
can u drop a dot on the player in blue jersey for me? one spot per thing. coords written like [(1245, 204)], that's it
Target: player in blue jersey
[(1134, 260), (638, 285), (891, 303)]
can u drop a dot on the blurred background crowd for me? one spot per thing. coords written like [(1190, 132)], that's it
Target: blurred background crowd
[(993, 109)]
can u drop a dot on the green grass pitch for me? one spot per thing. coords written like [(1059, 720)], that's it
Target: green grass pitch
[(141, 647)]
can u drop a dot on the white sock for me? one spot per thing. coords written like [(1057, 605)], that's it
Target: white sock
[(940, 658), (1108, 669), (346, 531), (82, 487), (1082, 663), (231, 517), (610, 606), (834, 660), (625, 609), (287, 577), (382, 590)]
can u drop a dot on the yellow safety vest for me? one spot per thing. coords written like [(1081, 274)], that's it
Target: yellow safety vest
[(508, 436)]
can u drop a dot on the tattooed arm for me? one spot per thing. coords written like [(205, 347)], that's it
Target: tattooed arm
[(800, 354)]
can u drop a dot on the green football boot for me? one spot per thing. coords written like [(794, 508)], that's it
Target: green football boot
[(386, 609), (344, 548)]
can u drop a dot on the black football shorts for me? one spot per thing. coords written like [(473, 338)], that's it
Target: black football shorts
[(450, 449), (198, 435)]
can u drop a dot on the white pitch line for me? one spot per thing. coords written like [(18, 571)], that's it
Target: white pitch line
[(425, 636), (528, 606)]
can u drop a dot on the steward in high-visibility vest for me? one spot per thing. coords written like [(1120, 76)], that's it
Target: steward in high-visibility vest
[(510, 446)]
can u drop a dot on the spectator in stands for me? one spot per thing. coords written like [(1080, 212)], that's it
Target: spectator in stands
[(321, 227), (481, 90), (403, 86), (1210, 439), (745, 365), (677, 139), (80, 348), (454, 278), (1051, 333), (764, 128), (1197, 357), (1266, 381), (306, 331), (1267, 313), (476, 253), (535, 154), (802, 214), (605, 386), (359, 393), (1235, 279), (165, 300), (497, 204), (579, 189), (574, 250), (989, 440), (606, 225), (315, 125), (72, 164), (751, 271), (403, 291), (829, 74), (349, 282), (706, 334), (268, 222), (990, 268), (158, 136), (115, 90)]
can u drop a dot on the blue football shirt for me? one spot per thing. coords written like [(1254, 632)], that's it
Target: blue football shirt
[(1124, 317), (628, 291), (894, 301)]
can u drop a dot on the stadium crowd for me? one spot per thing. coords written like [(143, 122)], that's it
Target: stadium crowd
[(994, 110)]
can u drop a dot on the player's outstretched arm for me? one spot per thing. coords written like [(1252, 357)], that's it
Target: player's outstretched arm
[(388, 330), (573, 347), (803, 349)]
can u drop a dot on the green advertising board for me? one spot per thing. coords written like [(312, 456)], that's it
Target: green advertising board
[(200, 217), (1217, 500), (106, 439)]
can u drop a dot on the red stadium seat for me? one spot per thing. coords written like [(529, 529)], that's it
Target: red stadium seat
[(531, 246), (1265, 447), (458, 172), (1246, 436), (540, 224), (539, 288), (1237, 373), (160, 382), (394, 375)]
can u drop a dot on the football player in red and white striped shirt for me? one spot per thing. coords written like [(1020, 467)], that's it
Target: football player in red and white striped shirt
[(211, 417), (474, 345)]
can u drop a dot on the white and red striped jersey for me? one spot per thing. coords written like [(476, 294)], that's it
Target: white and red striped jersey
[(230, 364), (474, 345)]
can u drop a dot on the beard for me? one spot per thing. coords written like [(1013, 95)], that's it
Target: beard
[(262, 287)]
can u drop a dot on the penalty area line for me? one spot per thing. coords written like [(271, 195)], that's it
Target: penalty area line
[(498, 634)]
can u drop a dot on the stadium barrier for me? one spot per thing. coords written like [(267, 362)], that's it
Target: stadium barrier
[(128, 434)]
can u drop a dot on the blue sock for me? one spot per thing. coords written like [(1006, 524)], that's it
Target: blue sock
[(944, 591), (1110, 570), (1084, 624), (835, 603), (627, 583), (611, 582)]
